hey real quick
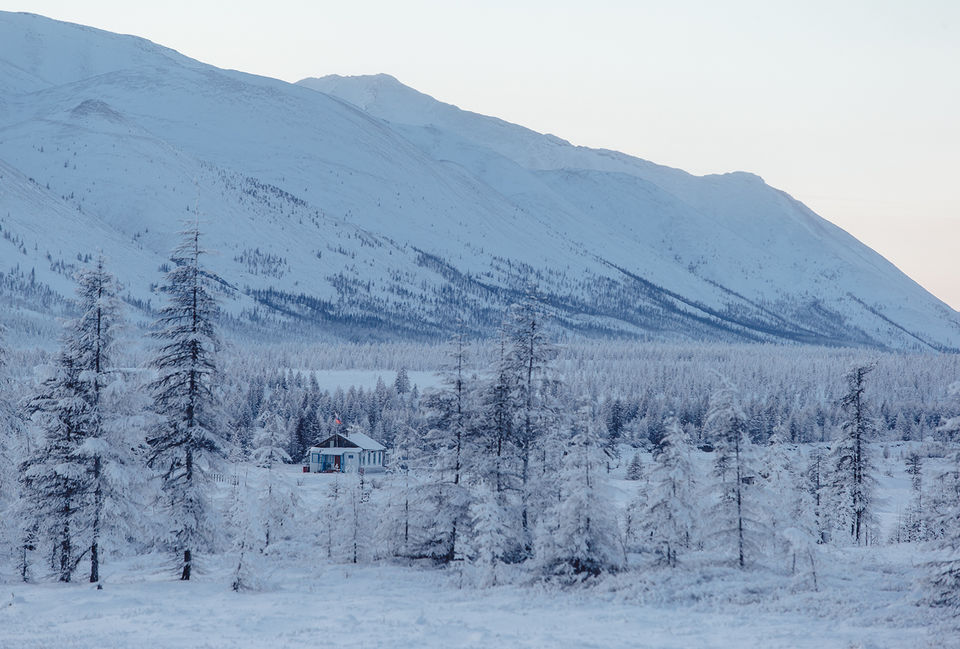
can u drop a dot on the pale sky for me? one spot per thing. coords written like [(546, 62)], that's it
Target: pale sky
[(851, 106)]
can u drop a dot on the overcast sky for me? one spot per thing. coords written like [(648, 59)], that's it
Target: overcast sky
[(851, 106)]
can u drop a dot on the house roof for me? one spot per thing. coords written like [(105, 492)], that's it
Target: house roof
[(353, 440), (366, 443)]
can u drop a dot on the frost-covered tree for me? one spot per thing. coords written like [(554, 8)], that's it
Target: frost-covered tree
[(401, 384), (277, 504), (667, 519), (734, 522), (852, 473), (332, 519), (494, 456), (578, 535), (55, 477), (943, 578), (451, 416), (816, 485), (950, 426), (491, 540), (913, 526), (779, 487), (635, 468), (786, 503), (495, 426), (529, 357), (452, 410), (248, 542), (11, 452), (396, 531), (104, 449), (183, 395), (347, 520)]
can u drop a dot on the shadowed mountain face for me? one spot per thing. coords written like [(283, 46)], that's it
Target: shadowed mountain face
[(359, 207)]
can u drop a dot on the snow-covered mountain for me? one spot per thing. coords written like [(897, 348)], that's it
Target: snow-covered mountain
[(360, 207)]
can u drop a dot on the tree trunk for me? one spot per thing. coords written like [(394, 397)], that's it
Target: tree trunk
[(97, 511)]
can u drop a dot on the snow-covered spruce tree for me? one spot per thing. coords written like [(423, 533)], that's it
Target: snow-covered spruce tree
[(107, 458), (786, 504), (401, 384), (635, 468), (183, 395), (347, 520), (852, 473), (667, 520), (816, 484), (248, 540), (778, 485), (277, 503), (578, 536), (914, 523), (733, 522), (943, 580), (397, 532), (495, 425), (11, 453), (529, 357), (18, 522), (450, 422), (494, 457), (944, 494), (491, 540), (332, 520), (950, 426), (55, 477)]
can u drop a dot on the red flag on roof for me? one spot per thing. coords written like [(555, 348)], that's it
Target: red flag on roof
[(337, 421)]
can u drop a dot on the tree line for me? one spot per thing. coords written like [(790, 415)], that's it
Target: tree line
[(505, 464)]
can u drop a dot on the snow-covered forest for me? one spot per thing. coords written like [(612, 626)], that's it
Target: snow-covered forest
[(817, 483)]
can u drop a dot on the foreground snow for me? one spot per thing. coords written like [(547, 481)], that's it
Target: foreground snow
[(868, 603)]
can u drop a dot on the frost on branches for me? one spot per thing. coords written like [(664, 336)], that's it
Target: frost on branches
[(578, 535), (183, 395)]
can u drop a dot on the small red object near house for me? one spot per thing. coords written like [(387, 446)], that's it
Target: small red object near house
[(306, 469)]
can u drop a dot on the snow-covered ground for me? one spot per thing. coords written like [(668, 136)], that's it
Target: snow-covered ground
[(866, 604)]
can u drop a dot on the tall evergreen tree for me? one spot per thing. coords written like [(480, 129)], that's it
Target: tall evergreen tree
[(816, 485), (579, 535), (92, 338), (55, 477), (666, 521), (499, 462), (277, 503), (943, 579), (452, 413), (491, 540), (914, 527), (734, 520), (530, 356), (183, 395), (852, 479), (11, 449)]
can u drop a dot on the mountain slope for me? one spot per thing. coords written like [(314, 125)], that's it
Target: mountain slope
[(359, 207)]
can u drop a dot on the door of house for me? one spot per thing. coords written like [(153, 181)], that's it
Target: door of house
[(336, 462)]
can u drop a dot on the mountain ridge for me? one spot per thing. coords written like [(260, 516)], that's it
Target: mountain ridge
[(396, 216)]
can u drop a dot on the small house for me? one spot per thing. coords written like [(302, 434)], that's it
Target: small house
[(346, 454)]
